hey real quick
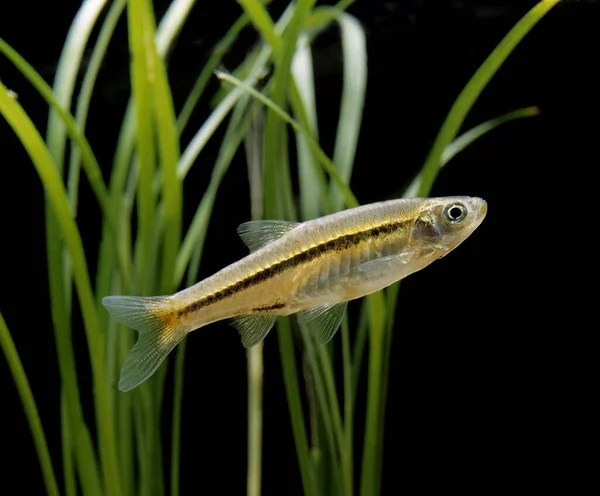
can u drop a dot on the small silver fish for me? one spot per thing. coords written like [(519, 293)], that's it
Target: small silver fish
[(311, 268)]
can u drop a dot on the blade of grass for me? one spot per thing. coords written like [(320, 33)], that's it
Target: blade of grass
[(331, 427), (447, 133), (279, 204), (254, 354), (207, 70), (142, 82), (391, 299), (255, 420), (275, 169), (196, 233), (141, 78), (57, 197), (369, 483), (353, 96), (349, 198), (60, 266), (85, 93), (31, 411), (292, 389), (67, 70), (177, 408), (311, 181), (209, 126), (360, 341), (465, 139), (90, 164), (168, 147), (348, 446), (62, 325), (260, 18), (473, 89), (67, 450)]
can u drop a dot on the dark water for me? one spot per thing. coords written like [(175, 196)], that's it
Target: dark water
[(475, 361)]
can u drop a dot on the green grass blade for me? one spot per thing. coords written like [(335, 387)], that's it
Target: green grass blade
[(292, 389), (85, 93), (80, 144), (391, 299), (207, 71), (449, 130), (168, 147), (309, 178), (67, 447), (171, 24), (465, 139), (62, 325), (349, 198), (141, 75), (91, 164), (31, 411), (353, 98), (65, 78), (473, 89), (210, 125), (369, 483), (57, 197), (258, 15), (333, 432), (360, 341), (177, 408), (195, 236), (333, 406), (255, 418), (348, 449), (67, 70), (275, 168), (254, 354), (206, 131)]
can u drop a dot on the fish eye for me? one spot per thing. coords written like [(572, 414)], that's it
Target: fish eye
[(455, 213)]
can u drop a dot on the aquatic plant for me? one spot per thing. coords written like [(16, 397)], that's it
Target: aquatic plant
[(147, 248)]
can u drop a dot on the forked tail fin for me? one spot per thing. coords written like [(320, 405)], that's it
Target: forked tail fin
[(160, 331)]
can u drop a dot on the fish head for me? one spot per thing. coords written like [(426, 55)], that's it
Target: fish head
[(444, 223)]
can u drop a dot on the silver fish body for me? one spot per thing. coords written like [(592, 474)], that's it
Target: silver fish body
[(311, 269)]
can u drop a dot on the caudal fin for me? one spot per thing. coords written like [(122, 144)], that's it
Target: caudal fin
[(160, 331)]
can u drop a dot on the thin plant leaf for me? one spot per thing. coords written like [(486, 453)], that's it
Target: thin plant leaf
[(353, 97), (66, 226), (29, 406), (307, 170), (326, 163), (465, 139), (473, 89), (254, 354), (290, 378)]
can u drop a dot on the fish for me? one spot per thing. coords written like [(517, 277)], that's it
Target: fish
[(311, 269)]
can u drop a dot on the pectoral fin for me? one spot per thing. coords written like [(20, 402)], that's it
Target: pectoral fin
[(381, 263), (323, 320)]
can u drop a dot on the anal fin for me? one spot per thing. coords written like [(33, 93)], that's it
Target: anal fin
[(323, 320), (253, 328)]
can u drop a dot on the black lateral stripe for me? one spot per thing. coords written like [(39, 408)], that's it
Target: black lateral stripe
[(276, 306), (340, 243)]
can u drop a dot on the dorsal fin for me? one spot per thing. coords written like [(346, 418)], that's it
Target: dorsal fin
[(258, 233)]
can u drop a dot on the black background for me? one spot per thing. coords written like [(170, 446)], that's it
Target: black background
[(476, 356)]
